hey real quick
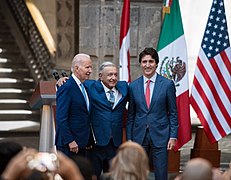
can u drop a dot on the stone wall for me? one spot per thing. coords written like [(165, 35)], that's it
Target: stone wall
[(96, 25)]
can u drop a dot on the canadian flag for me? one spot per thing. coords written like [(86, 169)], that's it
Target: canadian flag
[(125, 43)]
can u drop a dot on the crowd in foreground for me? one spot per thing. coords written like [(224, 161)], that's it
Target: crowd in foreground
[(130, 163)]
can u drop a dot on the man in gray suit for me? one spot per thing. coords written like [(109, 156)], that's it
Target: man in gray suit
[(152, 113)]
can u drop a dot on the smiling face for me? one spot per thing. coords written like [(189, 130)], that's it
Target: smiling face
[(109, 76), (148, 65)]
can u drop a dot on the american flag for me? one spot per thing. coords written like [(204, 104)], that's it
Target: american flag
[(211, 90)]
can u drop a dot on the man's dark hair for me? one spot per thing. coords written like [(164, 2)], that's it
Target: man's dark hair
[(8, 150), (149, 51)]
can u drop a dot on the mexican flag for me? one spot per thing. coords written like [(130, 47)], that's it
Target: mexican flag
[(173, 65)]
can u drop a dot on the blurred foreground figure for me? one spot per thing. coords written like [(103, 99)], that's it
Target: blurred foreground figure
[(198, 169), (131, 162), (8, 150)]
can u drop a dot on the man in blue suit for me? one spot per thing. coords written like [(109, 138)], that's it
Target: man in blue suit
[(72, 109), (152, 113), (106, 114)]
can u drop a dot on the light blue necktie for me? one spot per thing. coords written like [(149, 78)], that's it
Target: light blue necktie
[(111, 97), (84, 95)]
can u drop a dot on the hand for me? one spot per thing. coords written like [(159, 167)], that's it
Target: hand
[(73, 147), (61, 81), (171, 144), (67, 168)]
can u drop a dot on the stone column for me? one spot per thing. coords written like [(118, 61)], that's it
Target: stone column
[(65, 14)]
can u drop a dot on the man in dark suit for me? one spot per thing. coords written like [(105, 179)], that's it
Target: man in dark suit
[(108, 98), (107, 112), (72, 109), (152, 113)]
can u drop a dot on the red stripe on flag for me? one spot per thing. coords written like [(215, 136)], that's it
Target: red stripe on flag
[(215, 94), (125, 43), (125, 21), (203, 120), (215, 78), (184, 120), (208, 106), (221, 78), (227, 61)]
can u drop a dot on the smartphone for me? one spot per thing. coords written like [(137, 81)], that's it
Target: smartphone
[(44, 162)]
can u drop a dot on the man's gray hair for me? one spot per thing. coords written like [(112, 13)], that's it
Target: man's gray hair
[(78, 60), (106, 64)]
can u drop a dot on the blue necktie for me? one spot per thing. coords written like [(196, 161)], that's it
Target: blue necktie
[(84, 95), (111, 97)]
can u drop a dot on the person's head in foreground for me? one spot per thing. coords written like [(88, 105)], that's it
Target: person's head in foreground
[(131, 162), (198, 169)]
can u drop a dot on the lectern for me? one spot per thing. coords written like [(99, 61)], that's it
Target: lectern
[(44, 98), (204, 149)]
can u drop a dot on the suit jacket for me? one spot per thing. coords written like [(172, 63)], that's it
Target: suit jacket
[(72, 116), (106, 122), (161, 118)]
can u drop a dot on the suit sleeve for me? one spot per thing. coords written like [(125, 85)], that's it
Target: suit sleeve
[(172, 109), (63, 103), (131, 115)]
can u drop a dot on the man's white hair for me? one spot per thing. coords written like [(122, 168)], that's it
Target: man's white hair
[(78, 60), (106, 64)]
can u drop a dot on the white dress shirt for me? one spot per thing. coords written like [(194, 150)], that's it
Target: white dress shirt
[(78, 83), (117, 94), (152, 84)]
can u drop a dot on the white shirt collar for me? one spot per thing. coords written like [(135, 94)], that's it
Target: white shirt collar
[(106, 89), (76, 79), (153, 78)]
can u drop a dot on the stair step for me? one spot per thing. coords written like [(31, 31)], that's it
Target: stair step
[(12, 117), (32, 133), (29, 85), (5, 53), (13, 65), (15, 74), (9, 49), (4, 29), (14, 106), (24, 96), (9, 46), (12, 55), (12, 59), (7, 36), (19, 128)]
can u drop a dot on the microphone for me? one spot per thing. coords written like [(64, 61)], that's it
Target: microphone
[(64, 74), (55, 74)]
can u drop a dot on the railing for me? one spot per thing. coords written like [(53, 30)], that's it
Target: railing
[(41, 61)]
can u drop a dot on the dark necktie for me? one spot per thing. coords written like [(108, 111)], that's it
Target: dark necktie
[(147, 93), (111, 97)]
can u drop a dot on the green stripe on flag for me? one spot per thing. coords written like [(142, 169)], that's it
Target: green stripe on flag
[(172, 27)]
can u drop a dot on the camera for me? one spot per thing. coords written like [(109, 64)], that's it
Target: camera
[(43, 162)]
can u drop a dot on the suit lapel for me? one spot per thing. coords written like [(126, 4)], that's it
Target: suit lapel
[(121, 88), (156, 90), (140, 91), (77, 90), (100, 90)]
